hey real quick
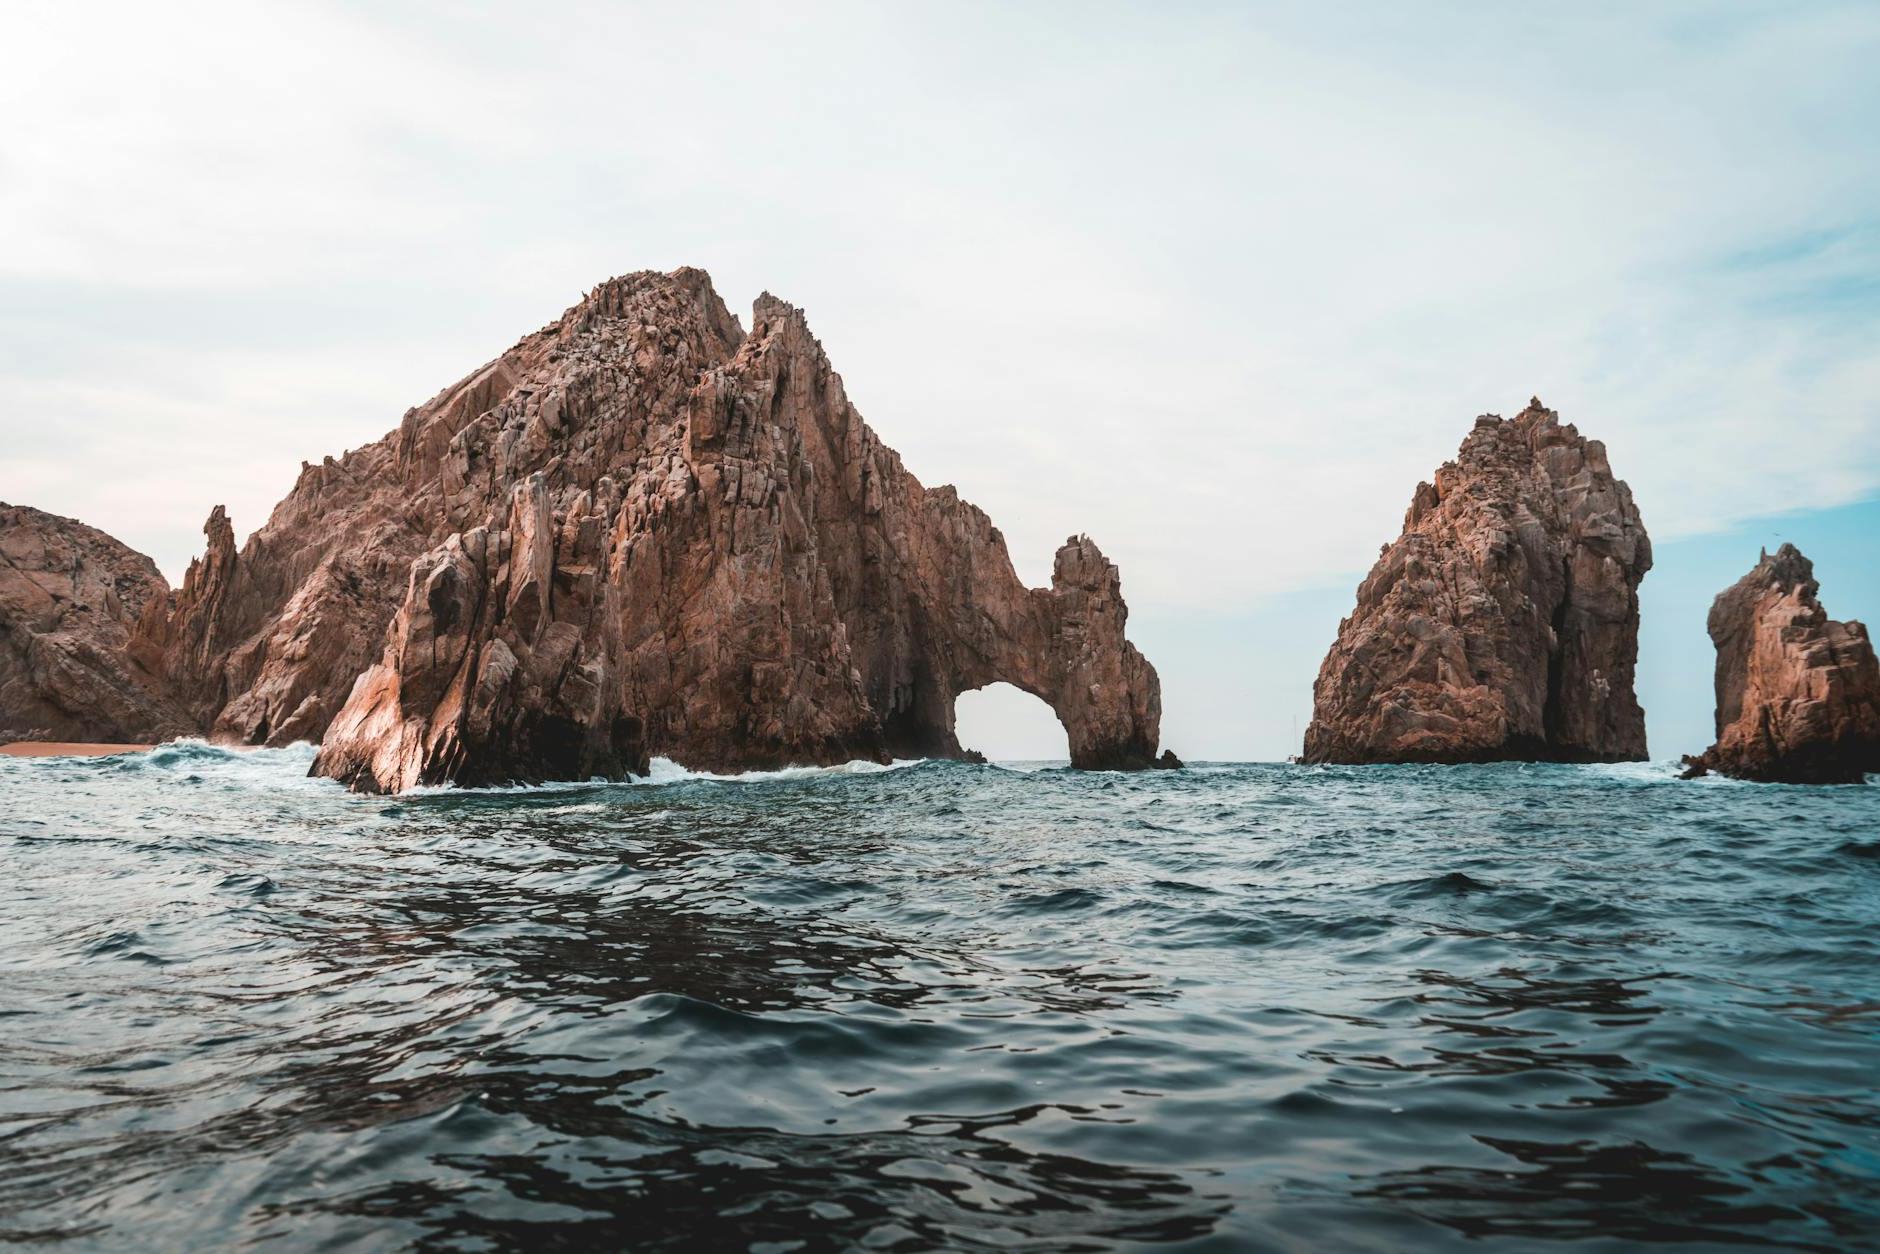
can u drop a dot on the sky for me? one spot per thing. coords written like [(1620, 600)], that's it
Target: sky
[(1216, 284)]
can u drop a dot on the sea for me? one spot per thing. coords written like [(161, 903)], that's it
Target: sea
[(936, 1006)]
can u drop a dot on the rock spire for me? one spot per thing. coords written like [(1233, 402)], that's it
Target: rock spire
[(1503, 622)]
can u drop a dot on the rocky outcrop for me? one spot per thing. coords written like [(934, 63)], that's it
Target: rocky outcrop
[(70, 596), (639, 531), (263, 644), (1503, 622), (1798, 694)]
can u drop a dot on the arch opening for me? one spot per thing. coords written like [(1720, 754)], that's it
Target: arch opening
[(1008, 724)]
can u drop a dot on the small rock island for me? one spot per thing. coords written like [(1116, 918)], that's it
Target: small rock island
[(1503, 623), (1798, 694)]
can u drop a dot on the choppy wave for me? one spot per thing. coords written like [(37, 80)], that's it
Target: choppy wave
[(278, 767), (662, 771), (936, 1006), (666, 771)]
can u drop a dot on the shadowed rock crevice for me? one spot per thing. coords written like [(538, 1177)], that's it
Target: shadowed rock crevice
[(1503, 623), (1798, 694)]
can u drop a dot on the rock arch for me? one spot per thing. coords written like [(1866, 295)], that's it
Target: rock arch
[(1065, 645), (656, 522)]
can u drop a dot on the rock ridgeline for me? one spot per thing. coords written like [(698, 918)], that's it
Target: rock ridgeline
[(1503, 622), (1798, 694), (665, 535), (639, 531), (70, 599), (643, 531)]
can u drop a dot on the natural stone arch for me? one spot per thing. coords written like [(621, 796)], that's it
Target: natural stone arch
[(967, 621), (652, 533)]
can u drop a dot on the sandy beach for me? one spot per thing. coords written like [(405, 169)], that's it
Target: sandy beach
[(64, 749)]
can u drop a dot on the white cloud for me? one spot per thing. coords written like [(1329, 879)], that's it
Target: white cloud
[(1217, 288)]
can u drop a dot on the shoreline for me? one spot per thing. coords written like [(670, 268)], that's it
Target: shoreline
[(66, 749)]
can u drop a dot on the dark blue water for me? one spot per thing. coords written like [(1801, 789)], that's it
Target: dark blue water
[(940, 1006)]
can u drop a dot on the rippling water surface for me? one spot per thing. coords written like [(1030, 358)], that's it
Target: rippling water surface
[(936, 1006)]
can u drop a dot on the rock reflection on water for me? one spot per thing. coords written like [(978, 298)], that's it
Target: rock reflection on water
[(936, 1007)]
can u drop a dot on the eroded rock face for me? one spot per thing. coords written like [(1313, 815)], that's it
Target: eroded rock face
[(1503, 622), (639, 531), (262, 645), (70, 596), (1798, 694)]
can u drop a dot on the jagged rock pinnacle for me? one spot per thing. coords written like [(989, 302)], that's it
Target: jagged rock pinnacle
[(1503, 622)]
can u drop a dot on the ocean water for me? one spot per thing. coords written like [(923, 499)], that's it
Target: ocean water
[(937, 1006)]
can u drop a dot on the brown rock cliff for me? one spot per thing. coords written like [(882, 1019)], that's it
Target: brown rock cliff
[(639, 531), (70, 596), (1798, 694), (1503, 622)]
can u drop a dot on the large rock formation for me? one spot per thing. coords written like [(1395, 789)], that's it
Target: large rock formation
[(1798, 694), (69, 598), (1503, 623), (639, 531)]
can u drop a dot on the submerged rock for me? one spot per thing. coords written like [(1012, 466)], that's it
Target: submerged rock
[(70, 596), (1503, 622), (639, 531), (1798, 694)]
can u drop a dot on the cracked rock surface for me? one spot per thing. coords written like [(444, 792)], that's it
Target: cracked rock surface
[(70, 598), (639, 531), (1503, 623), (1798, 694)]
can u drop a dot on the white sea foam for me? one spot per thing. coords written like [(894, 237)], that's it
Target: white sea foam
[(664, 771), (288, 765), (261, 768), (1666, 769)]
